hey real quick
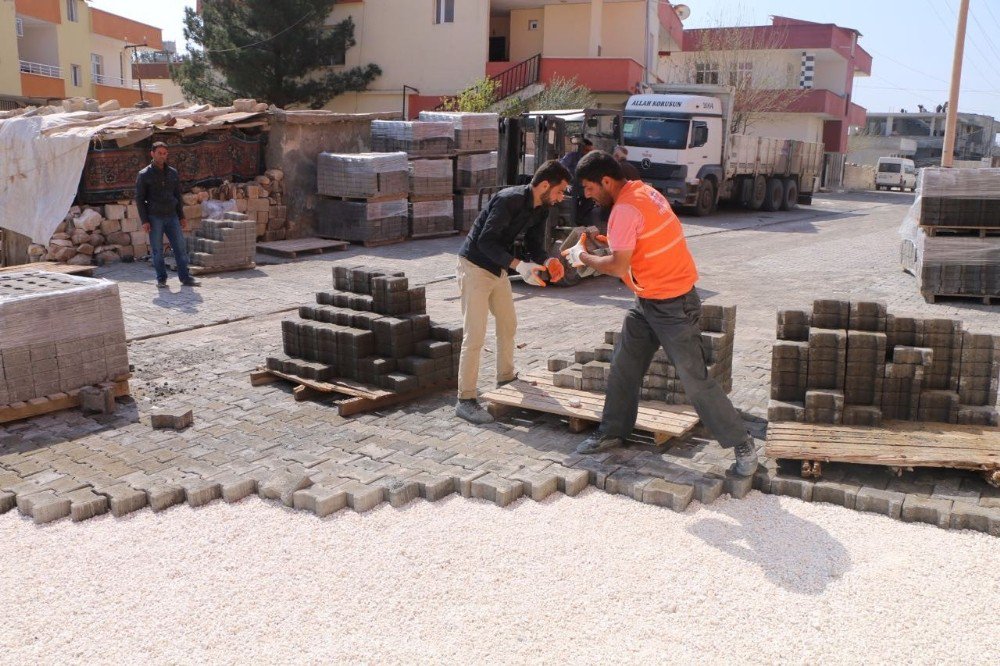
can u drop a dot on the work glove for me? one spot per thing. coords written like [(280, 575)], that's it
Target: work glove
[(529, 273), (572, 254), (555, 269)]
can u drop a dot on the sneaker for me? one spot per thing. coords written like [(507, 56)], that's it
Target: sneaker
[(162, 284), (507, 381), (746, 459), (598, 442), (473, 412), (190, 282)]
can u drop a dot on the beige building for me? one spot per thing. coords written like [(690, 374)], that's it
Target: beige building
[(440, 47), (54, 49)]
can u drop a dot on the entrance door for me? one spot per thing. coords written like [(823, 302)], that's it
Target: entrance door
[(498, 49)]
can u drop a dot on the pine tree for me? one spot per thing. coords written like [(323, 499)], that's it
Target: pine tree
[(275, 51)]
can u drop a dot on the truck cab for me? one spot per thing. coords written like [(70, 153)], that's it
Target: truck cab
[(676, 142)]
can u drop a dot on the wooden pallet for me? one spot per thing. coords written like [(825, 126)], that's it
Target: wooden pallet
[(376, 199), (291, 249), (899, 444), (208, 270), (52, 267), (383, 243), (420, 198), (17, 411), (537, 393), (984, 299), (358, 398), (981, 232), (435, 234)]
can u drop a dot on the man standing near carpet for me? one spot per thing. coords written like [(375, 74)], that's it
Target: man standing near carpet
[(650, 255), (158, 198), (485, 260)]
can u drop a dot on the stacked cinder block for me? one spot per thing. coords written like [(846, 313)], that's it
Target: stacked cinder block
[(372, 327), (589, 369), (363, 197), (418, 138), (473, 131), (362, 175), (58, 333), (435, 217), (231, 241), (853, 363), (476, 171), (431, 178)]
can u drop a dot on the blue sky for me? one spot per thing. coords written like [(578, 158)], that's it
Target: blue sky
[(911, 42)]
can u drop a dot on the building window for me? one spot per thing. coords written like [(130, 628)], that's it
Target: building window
[(19, 27), (444, 11), (97, 64), (77, 75), (706, 72), (532, 24), (338, 57), (741, 74), (71, 12)]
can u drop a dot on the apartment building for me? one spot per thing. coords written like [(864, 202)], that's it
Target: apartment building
[(797, 76), (975, 135), (439, 47), (54, 49)]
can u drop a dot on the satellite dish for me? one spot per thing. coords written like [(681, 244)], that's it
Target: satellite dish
[(683, 11)]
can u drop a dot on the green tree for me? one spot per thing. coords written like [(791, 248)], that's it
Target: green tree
[(276, 51), (477, 98)]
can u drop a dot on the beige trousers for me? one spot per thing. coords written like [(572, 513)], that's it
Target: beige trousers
[(484, 293)]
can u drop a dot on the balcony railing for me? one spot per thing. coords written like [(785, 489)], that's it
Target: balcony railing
[(114, 81), (40, 69)]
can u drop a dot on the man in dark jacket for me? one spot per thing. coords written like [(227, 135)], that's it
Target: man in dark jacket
[(158, 198), (483, 264)]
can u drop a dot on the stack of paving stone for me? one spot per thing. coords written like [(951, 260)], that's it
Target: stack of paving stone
[(476, 171), (229, 242), (417, 138), (853, 363), (58, 333), (431, 178), (956, 250), (363, 197), (467, 209), (589, 369), (473, 131), (372, 327), (432, 218)]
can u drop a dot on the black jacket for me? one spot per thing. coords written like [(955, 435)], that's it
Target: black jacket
[(509, 212), (158, 192)]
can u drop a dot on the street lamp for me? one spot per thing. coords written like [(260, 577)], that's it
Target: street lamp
[(405, 88), (135, 49)]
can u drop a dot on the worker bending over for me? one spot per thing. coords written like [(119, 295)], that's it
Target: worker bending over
[(484, 261), (649, 254)]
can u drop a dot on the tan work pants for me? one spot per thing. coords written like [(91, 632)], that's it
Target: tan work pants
[(484, 293)]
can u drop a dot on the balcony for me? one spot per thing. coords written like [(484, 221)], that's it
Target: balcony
[(821, 102), (41, 80), (115, 82)]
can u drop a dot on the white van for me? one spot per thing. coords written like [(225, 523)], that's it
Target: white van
[(895, 172)]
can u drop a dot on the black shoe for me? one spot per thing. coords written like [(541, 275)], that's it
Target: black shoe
[(473, 412), (597, 443), (162, 284), (746, 459), (190, 282)]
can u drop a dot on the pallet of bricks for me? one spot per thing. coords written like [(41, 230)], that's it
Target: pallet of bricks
[(477, 139), (261, 200), (429, 147), (589, 368), (372, 328), (363, 197), (58, 334), (220, 245), (952, 234)]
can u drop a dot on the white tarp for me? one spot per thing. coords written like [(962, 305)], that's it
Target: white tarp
[(39, 176)]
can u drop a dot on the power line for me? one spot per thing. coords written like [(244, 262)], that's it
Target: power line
[(902, 64), (263, 41)]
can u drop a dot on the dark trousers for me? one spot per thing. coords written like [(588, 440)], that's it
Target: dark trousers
[(673, 324), (169, 226)]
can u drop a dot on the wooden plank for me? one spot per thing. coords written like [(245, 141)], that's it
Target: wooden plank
[(434, 234), (208, 270), (261, 377), (359, 405), (52, 403), (292, 248), (895, 444), (345, 386), (51, 267)]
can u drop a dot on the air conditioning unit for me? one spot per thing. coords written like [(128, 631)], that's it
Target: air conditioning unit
[(19, 27)]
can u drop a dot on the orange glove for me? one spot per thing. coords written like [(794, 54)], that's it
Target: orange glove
[(572, 254), (555, 269), (601, 238)]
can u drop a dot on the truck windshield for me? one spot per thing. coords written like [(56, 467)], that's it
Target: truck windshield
[(656, 133), (889, 167)]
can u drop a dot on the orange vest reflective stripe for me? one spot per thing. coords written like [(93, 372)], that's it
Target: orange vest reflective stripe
[(661, 266)]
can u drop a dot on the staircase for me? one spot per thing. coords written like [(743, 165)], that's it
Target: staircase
[(516, 79)]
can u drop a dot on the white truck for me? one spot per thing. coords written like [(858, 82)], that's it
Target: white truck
[(678, 137)]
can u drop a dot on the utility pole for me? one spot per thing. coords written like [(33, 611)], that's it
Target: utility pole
[(135, 49), (951, 120)]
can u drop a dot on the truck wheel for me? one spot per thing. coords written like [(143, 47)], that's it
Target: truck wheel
[(704, 205), (775, 194), (790, 196), (759, 193)]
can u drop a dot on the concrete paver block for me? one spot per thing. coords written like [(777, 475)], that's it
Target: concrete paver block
[(434, 486), (86, 504), (282, 486), (43, 506), (665, 493), (199, 492), (164, 496), (123, 499), (98, 399), (497, 489), (537, 485), (842, 494), (320, 500), (879, 501), (174, 419), (924, 510), (798, 488)]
